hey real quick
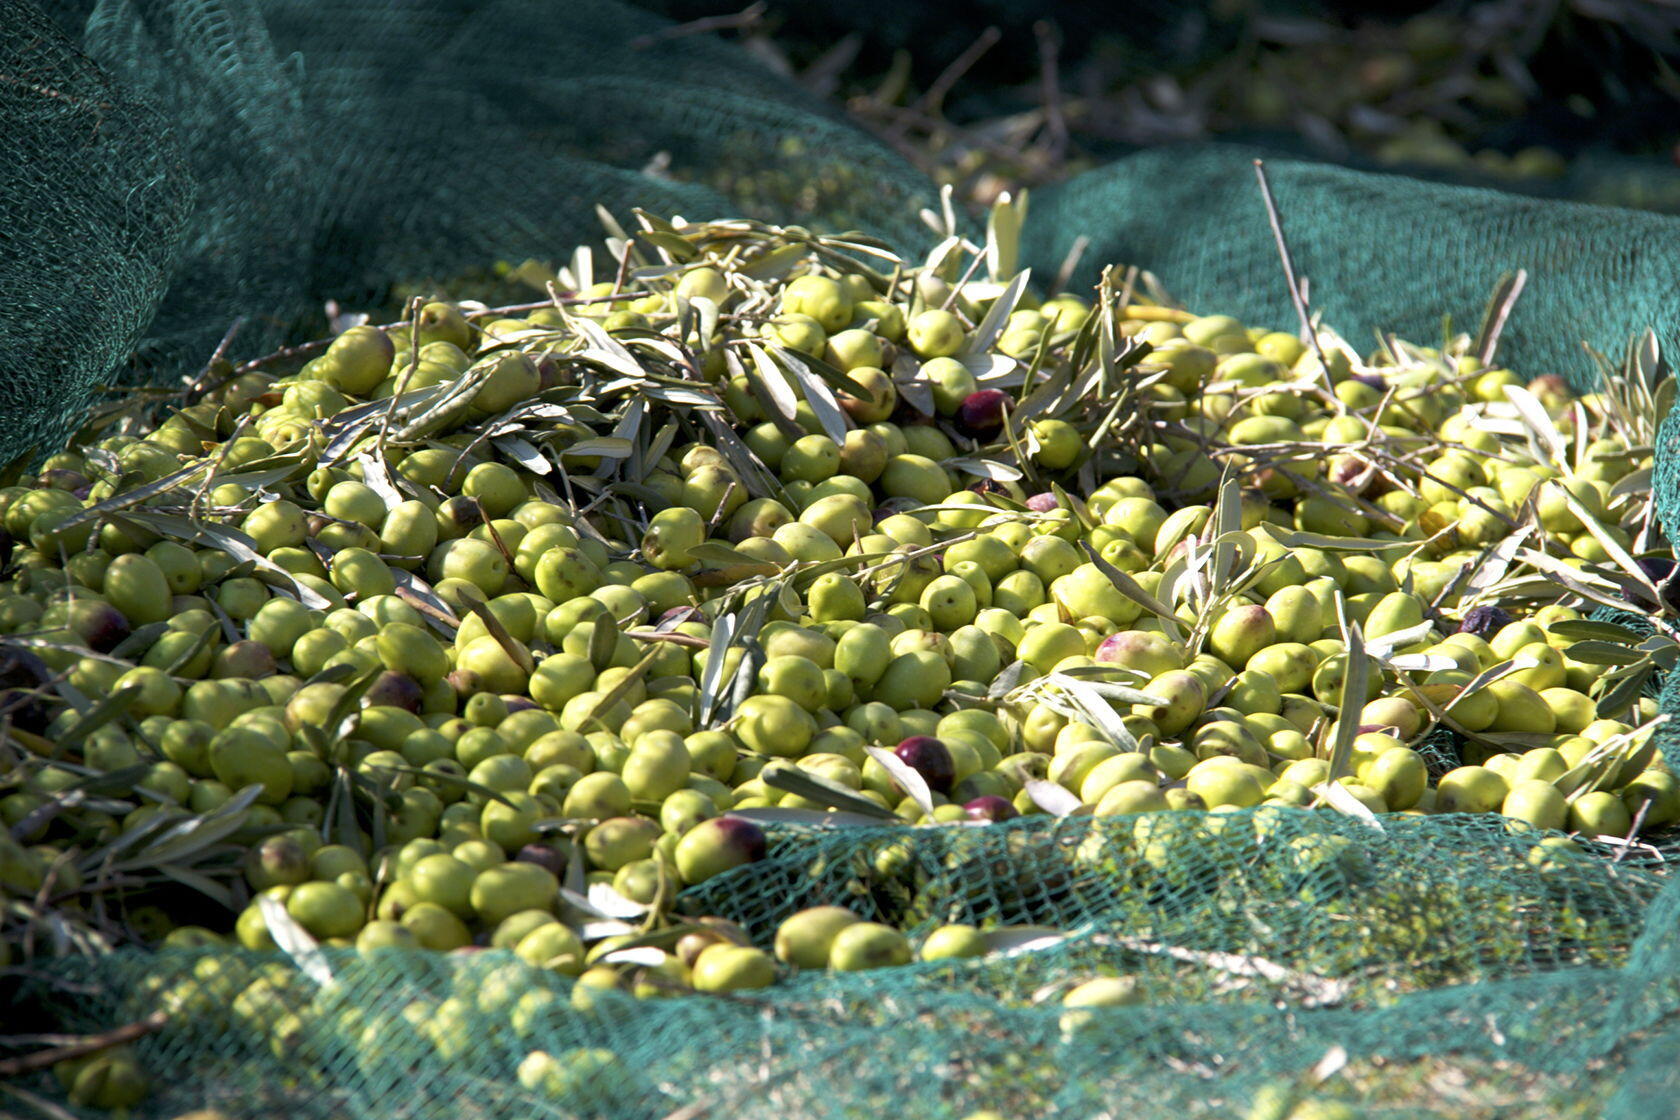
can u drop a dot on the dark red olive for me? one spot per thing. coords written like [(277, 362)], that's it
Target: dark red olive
[(391, 689), (990, 807), (981, 412), (98, 623), (460, 513), (931, 759), (742, 835), (545, 856), (60, 479), (676, 615), (1485, 622)]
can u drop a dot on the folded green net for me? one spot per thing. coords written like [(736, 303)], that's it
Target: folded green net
[(1258, 943)]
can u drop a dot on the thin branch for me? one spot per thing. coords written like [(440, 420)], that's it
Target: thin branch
[(313, 345), (1295, 295), (1075, 253), (39, 1104), (92, 1044), (55, 94), (1505, 298), (675, 639), (217, 355), (1633, 830), (1055, 122), (743, 20), (935, 95)]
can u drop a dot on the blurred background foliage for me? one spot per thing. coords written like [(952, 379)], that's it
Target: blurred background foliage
[(1561, 98)]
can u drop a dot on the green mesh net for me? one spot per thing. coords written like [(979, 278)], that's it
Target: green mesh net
[(1455, 945), (1382, 252), (169, 168), (176, 167)]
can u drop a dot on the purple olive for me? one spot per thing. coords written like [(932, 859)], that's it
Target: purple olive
[(676, 615), (747, 837), (895, 505), (718, 845), (277, 860), (931, 759), (545, 856), (1043, 503), (990, 807), (1348, 471), (518, 703), (550, 373), (60, 479), (460, 513), (248, 659), (1656, 568), (1113, 647), (98, 623), (981, 412), (391, 689), (1485, 622), (1659, 570)]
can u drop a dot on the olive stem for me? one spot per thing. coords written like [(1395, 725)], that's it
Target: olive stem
[(92, 1044), (1295, 295)]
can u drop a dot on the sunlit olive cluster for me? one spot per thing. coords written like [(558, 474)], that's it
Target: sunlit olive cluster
[(497, 629)]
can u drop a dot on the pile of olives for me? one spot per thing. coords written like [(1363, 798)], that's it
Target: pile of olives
[(496, 629)]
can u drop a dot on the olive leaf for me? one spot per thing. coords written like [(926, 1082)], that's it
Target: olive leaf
[(781, 397), (831, 795), (1007, 679), (193, 837), (1090, 698), (908, 778), (712, 681), (1594, 652), (467, 785), (232, 541), (1338, 798), (1611, 545), (108, 708), (129, 498), (1134, 591), (525, 454), (1355, 676), (1014, 940), (622, 689), (780, 814), (817, 394), (295, 941), (1544, 438), (511, 646), (1588, 628), (980, 339), (985, 468), (1052, 798)]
